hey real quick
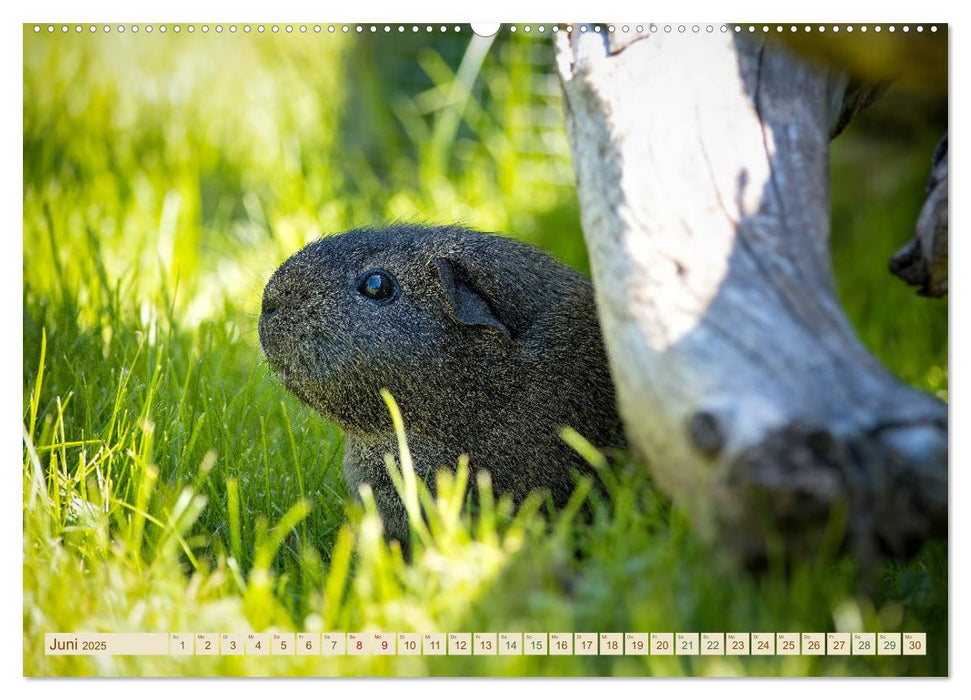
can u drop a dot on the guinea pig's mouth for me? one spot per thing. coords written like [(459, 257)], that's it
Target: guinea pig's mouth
[(301, 369), (297, 383)]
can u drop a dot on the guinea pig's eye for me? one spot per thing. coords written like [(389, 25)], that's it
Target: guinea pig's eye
[(377, 285)]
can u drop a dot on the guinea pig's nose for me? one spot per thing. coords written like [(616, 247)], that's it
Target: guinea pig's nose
[(272, 301)]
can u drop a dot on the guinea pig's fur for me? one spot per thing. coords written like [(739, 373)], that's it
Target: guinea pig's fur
[(488, 345)]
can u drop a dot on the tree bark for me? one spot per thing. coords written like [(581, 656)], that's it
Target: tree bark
[(702, 169), (923, 261)]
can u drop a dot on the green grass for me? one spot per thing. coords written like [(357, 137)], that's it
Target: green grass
[(171, 484)]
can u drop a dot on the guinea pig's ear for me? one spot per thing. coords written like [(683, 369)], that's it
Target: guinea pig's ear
[(470, 306)]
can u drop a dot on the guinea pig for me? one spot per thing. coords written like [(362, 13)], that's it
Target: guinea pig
[(488, 345)]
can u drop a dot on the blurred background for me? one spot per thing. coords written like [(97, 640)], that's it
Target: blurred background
[(165, 177)]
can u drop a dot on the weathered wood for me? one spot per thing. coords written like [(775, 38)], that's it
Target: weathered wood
[(923, 261), (857, 96), (702, 168)]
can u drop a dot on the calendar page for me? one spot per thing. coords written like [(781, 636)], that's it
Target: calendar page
[(370, 349)]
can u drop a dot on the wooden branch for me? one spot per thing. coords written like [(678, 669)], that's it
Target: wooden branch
[(923, 261), (702, 166), (857, 96)]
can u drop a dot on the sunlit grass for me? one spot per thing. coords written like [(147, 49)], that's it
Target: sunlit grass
[(171, 484)]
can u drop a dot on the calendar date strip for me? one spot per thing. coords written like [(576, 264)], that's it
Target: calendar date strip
[(487, 644)]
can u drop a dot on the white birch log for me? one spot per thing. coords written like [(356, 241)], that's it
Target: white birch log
[(702, 167)]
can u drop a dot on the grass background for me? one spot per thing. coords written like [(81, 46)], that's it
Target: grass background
[(171, 484)]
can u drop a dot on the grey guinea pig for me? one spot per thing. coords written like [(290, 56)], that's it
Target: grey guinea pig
[(488, 345)]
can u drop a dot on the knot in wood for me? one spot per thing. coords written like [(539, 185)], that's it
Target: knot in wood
[(706, 433)]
